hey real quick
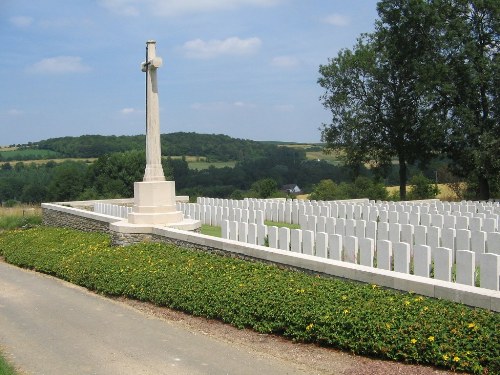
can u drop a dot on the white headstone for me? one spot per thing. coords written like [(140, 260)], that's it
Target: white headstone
[(490, 271), (321, 244), (466, 266), (442, 263), (401, 257), (384, 254), (422, 260), (335, 246)]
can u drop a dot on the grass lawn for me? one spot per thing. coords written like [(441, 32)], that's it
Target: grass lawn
[(211, 231), (217, 231), (6, 368)]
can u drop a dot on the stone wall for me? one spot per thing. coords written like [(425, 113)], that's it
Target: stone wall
[(67, 220), (126, 239)]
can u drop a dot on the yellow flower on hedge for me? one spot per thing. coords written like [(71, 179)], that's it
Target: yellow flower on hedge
[(346, 311), (472, 325), (413, 341), (431, 338), (445, 357), (309, 327), (456, 359), (407, 303)]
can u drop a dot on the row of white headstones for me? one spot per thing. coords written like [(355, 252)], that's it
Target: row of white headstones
[(447, 241)]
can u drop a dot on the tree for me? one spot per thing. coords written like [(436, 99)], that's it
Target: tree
[(422, 188), (113, 175), (265, 188), (469, 87), (67, 182), (364, 187), (325, 190), (378, 92)]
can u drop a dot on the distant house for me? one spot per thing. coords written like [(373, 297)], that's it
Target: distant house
[(291, 189)]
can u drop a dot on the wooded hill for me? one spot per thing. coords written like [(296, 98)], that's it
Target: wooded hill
[(213, 147)]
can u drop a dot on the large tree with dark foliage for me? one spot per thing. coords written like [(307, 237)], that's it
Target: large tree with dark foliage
[(468, 60), (375, 92), (425, 82)]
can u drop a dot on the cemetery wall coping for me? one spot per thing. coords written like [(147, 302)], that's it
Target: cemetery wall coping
[(80, 212)]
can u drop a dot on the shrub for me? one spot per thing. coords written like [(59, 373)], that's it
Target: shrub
[(422, 188), (362, 319)]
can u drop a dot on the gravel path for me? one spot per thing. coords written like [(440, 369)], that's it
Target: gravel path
[(320, 360)]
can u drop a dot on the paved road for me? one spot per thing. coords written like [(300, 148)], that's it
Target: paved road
[(51, 327)]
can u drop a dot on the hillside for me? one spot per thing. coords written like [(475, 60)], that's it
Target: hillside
[(215, 147)]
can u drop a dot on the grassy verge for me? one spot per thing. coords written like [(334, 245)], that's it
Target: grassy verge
[(217, 231), (362, 319), (5, 367), (211, 231), (281, 225), (19, 216)]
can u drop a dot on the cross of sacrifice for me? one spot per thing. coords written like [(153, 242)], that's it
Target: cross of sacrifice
[(154, 170)]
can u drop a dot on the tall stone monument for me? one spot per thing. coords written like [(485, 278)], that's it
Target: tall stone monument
[(154, 198)]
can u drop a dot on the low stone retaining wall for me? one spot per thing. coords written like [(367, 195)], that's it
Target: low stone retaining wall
[(56, 215), (71, 217)]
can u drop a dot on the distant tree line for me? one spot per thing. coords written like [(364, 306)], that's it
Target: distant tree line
[(213, 147), (113, 175)]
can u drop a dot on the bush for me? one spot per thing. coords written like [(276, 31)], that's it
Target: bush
[(362, 187), (422, 188), (362, 319)]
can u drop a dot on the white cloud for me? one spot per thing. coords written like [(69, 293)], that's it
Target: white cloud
[(177, 7), (221, 106), (130, 111), (21, 21), (200, 49), (59, 65), (285, 62), (338, 20)]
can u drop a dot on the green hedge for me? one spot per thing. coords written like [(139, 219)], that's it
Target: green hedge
[(363, 319)]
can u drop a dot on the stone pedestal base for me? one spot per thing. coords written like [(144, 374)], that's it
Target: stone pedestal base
[(154, 204)]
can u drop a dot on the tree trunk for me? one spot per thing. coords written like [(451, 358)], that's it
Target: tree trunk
[(484, 188), (402, 178)]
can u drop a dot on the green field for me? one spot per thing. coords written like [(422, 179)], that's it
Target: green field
[(333, 158), (315, 152), (28, 154)]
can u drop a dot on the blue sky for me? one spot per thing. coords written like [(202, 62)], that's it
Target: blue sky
[(245, 68)]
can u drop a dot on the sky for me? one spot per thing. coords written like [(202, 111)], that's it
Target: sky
[(244, 68)]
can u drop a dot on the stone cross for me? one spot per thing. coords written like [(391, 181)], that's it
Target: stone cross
[(154, 170)]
